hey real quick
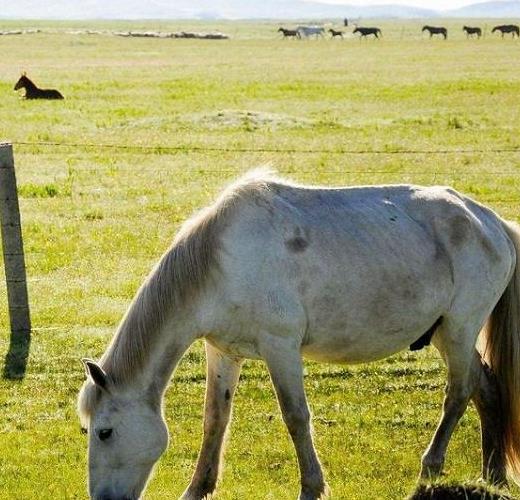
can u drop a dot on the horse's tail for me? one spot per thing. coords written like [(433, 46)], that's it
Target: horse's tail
[(502, 351)]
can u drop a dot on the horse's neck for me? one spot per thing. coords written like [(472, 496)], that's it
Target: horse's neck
[(176, 338), (31, 89), (30, 86), (172, 340)]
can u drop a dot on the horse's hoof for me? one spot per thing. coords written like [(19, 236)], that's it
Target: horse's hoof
[(321, 494), (189, 495), (431, 471)]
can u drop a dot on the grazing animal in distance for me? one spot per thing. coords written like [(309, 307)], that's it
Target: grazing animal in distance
[(33, 92), (470, 31), (507, 28), (334, 33), (289, 33), (338, 275), (368, 31), (434, 30)]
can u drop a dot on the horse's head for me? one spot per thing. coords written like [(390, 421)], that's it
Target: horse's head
[(424, 28), (281, 30), (127, 435), (356, 29), (22, 82)]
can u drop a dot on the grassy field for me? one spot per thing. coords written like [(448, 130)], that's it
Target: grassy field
[(95, 219)]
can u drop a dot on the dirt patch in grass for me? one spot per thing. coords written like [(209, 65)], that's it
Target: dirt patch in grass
[(238, 118)]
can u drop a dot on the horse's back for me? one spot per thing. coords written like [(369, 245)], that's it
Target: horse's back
[(362, 221), (52, 94)]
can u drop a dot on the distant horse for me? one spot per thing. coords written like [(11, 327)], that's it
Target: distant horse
[(472, 31), (368, 31), (334, 33), (308, 31), (338, 275), (507, 28), (289, 33), (436, 31), (33, 92)]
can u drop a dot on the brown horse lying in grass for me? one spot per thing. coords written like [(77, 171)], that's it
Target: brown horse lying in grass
[(33, 92)]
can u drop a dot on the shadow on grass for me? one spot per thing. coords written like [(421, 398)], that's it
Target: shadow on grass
[(456, 492), (17, 357)]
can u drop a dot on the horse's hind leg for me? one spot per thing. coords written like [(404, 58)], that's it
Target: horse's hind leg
[(221, 381), (487, 401), (457, 348), (285, 366)]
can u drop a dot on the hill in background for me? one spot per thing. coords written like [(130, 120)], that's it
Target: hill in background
[(235, 9)]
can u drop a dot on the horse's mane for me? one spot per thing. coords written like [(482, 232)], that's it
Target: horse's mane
[(179, 275)]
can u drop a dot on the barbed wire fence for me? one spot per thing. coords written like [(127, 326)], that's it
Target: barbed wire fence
[(270, 151), (189, 148), (35, 147)]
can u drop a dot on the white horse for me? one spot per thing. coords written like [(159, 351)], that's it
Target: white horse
[(276, 271), (308, 31)]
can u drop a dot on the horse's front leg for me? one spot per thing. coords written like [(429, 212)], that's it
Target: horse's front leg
[(221, 380), (285, 367)]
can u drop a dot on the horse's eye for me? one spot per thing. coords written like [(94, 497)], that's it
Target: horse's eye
[(83, 430), (104, 434)]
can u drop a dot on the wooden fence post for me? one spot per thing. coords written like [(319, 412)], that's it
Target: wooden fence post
[(14, 263)]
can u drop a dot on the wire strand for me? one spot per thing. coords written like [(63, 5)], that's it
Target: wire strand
[(158, 149)]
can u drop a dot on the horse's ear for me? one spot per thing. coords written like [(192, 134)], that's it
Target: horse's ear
[(96, 373), (24, 73)]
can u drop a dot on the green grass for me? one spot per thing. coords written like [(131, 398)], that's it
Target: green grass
[(96, 219)]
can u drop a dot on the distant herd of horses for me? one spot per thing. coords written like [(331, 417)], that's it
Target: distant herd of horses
[(318, 31), (33, 92)]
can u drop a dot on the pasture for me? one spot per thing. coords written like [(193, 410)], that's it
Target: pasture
[(189, 116)]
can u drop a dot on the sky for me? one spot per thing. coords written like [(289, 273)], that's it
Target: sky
[(428, 4)]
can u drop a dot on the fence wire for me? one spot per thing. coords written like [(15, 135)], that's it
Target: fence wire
[(168, 149)]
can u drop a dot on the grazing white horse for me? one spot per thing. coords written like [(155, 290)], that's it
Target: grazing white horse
[(277, 271)]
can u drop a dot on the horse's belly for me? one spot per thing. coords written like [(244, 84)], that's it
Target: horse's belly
[(374, 322), (358, 348)]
